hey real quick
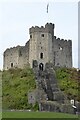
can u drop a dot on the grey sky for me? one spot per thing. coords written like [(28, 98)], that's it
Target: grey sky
[(17, 17)]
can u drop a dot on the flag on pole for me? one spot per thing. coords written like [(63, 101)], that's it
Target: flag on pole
[(47, 7)]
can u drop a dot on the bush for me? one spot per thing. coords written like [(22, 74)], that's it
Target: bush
[(68, 82)]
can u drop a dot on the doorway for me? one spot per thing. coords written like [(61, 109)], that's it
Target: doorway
[(41, 66)]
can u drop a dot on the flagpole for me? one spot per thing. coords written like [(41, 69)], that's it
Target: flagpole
[(47, 7), (47, 11)]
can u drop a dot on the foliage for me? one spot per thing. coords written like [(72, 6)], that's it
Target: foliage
[(68, 80), (36, 106), (15, 85)]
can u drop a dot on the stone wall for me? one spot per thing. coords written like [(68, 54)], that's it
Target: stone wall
[(11, 58), (23, 55), (62, 52), (16, 57), (53, 106)]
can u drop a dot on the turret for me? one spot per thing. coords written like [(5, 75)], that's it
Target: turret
[(49, 28)]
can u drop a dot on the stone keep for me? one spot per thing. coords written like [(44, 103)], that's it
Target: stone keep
[(43, 47), (41, 44)]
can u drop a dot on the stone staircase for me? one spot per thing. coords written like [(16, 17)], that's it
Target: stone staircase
[(54, 99)]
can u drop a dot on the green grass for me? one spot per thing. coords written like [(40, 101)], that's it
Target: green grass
[(0, 115), (18, 114), (68, 81), (16, 83)]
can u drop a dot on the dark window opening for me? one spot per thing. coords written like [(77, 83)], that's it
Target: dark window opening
[(35, 63), (41, 55), (20, 54), (41, 66), (54, 60), (11, 64), (31, 97), (30, 36), (42, 35), (41, 47), (57, 63), (60, 48)]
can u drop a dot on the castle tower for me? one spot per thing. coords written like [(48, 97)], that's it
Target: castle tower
[(40, 48)]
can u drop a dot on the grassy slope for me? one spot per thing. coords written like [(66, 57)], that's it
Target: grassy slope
[(68, 80), (15, 85)]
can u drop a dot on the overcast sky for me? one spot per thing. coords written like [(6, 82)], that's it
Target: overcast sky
[(18, 16)]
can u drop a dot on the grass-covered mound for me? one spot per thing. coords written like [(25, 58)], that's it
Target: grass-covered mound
[(68, 81), (16, 83)]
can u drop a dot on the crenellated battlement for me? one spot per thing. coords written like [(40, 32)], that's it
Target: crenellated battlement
[(63, 41), (12, 49), (49, 27)]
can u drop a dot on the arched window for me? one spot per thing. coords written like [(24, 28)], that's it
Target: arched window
[(41, 55), (41, 66), (11, 64), (60, 48), (42, 35), (30, 36)]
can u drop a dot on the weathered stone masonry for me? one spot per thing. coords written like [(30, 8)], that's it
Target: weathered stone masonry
[(16, 57), (43, 47)]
